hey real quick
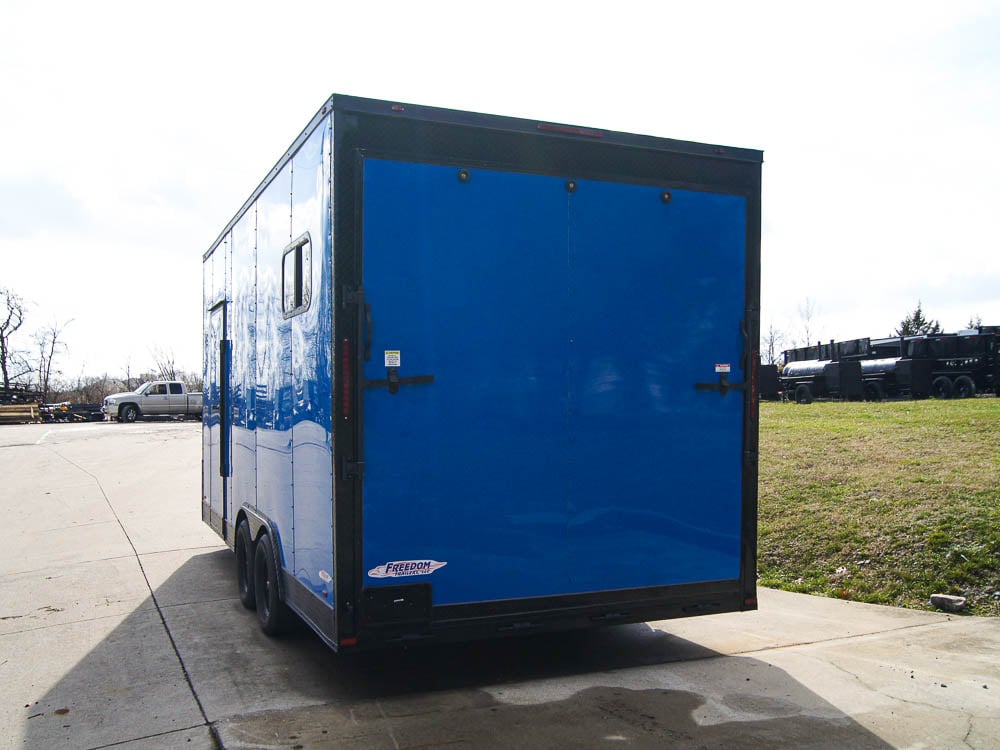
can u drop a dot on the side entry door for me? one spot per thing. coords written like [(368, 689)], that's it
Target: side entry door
[(217, 422)]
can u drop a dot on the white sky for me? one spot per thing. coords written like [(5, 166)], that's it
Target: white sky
[(132, 132)]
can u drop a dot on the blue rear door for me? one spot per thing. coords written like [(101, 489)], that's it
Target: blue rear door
[(546, 436)]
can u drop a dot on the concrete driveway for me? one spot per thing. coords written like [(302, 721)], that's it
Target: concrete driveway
[(120, 627)]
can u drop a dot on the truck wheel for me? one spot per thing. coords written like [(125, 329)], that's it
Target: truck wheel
[(128, 413), (941, 387), (243, 546), (873, 391), (964, 387), (271, 611), (802, 394)]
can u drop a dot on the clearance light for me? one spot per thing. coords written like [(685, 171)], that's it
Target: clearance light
[(349, 641), (548, 127)]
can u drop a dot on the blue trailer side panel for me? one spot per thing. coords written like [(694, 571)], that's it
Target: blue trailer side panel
[(563, 413), (241, 313), (311, 375), (275, 492)]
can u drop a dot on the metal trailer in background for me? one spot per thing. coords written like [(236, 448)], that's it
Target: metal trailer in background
[(445, 392), (805, 380), (769, 387), (943, 365)]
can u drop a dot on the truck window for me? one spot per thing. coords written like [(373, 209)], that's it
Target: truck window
[(158, 390), (296, 276), (175, 389)]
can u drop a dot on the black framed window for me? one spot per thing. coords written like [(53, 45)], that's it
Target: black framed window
[(296, 276)]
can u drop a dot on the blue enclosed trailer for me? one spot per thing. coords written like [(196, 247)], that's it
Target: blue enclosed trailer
[(469, 375)]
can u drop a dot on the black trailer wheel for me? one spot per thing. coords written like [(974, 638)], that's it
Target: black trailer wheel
[(802, 394), (873, 391), (964, 387), (243, 546), (128, 413), (271, 611), (941, 387)]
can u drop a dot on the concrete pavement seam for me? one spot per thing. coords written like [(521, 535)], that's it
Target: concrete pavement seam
[(146, 737), (854, 636), (152, 594)]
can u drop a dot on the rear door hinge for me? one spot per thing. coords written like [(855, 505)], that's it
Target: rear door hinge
[(353, 469)]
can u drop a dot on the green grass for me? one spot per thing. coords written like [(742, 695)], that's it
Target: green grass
[(885, 503)]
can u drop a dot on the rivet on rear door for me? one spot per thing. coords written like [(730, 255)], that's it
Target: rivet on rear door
[(463, 175), (571, 186), (666, 196)]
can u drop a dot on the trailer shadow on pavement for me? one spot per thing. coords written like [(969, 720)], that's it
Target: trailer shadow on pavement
[(210, 678)]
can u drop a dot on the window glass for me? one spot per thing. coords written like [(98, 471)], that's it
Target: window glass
[(175, 388), (158, 390)]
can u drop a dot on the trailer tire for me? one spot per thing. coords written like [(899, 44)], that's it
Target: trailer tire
[(873, 391), (128, 413), (272, 614), (964, 387), (802, 394), (941, 387), (243, 546)]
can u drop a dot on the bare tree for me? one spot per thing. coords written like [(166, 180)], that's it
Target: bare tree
[(129, 382), (975, 321), (13, 364), (771, 342), (807, 318), (166, 365), (89, 389), (49, 346)]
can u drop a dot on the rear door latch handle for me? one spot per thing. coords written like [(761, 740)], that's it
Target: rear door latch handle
[(723, 386), (393, 381)]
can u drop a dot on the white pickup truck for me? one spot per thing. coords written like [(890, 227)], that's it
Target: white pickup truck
[(157, 398)]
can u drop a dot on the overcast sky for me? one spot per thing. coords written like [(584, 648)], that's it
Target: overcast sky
[(132, 132)]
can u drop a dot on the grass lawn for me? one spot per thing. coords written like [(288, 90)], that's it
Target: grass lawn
[(882, 502)]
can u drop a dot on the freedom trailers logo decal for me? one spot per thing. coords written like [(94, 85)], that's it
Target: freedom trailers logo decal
[(405, 568)]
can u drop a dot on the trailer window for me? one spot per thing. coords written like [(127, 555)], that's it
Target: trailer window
[(296, 276)]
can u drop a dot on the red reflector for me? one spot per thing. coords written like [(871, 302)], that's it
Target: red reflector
[(348, 641), (549, 127), (750, 601), (398, 108), (345, 376)]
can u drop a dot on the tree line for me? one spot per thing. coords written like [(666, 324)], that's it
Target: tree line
[(30, 363)]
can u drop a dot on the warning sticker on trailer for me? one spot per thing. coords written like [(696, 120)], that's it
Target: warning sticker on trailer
[(723, 368), (392, 357), (406, 568)]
